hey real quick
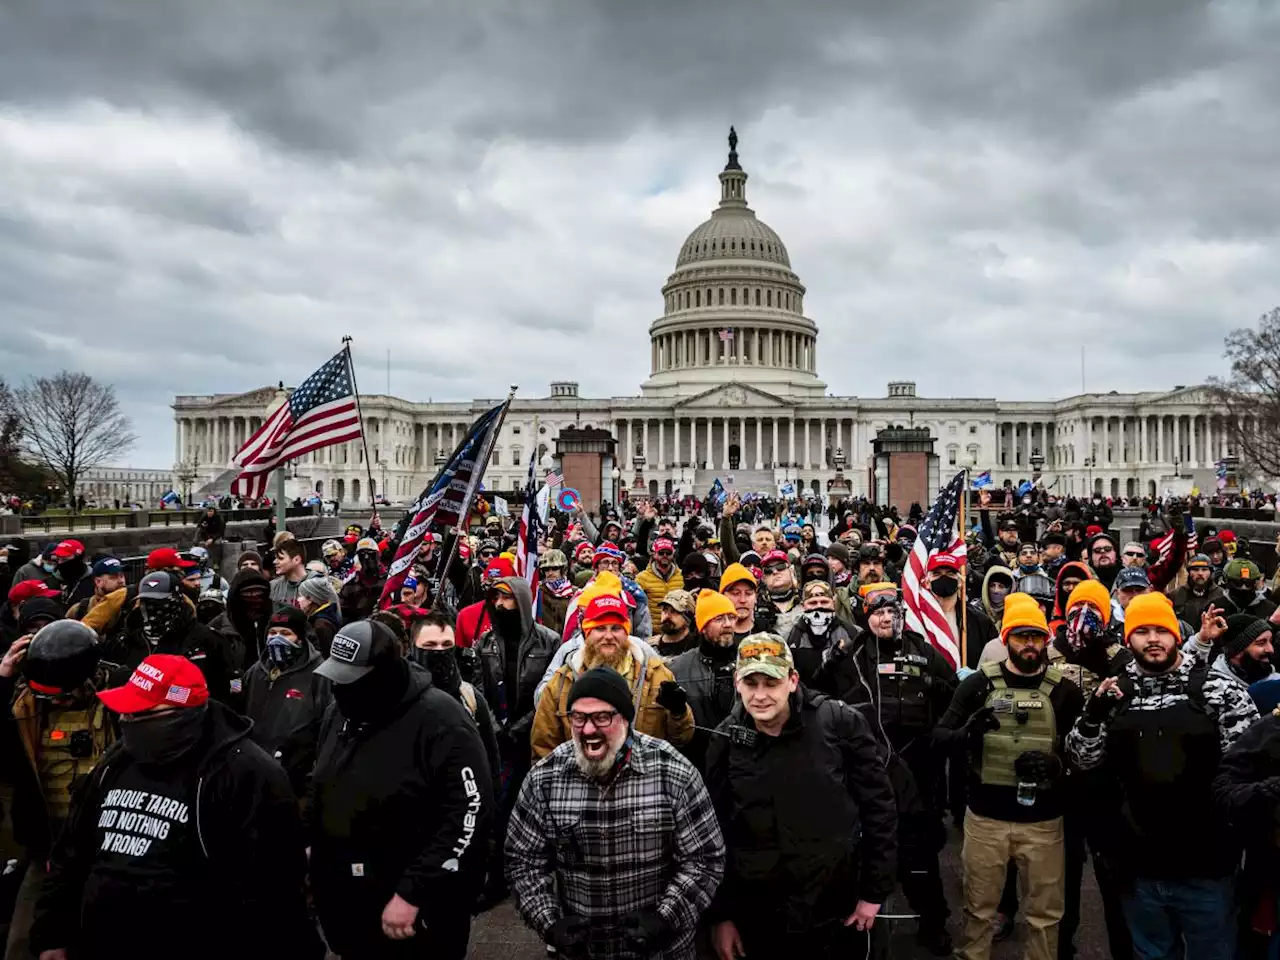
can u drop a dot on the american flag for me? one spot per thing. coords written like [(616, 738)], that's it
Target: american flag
[(530, 529), (445, 501), (726, 336), (319, 413), (937, 534), (554, 479)]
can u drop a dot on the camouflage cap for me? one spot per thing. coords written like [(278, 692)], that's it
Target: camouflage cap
[(765, 653)]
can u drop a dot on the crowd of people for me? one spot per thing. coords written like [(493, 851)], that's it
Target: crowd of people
[(701, 729)]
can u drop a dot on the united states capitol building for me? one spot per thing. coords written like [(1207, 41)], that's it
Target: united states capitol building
[(734, 391)]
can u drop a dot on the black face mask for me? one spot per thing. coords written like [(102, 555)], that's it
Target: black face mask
[(443, 665), (375, 695), (161, 619), (162, 737), (507, 623), (1242, 598), (945, 587)]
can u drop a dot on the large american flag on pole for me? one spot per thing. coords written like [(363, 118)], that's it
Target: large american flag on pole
[(530, 531), (319, 413), (937, 534), (445, 502)]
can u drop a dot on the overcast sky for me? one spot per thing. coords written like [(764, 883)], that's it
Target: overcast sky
[(204, 197)]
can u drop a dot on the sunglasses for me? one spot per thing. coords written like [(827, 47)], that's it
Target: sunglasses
[(1129, 553), (664, 554), (775, 568)]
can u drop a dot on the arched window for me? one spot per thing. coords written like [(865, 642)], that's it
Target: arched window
[(697, 298), (733, 296), (768, 298), (746, 297), (722, 296), (757, 296)]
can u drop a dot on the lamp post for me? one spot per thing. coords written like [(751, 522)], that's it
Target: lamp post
[(1089, 463), (617, 479)]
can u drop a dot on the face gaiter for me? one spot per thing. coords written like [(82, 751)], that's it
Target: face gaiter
[(163, 736), (375, 695)]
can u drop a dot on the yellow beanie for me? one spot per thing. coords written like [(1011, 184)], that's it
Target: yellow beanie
[(603, 584), (1095, 593), (1150, 610), (735, 573), (1021, 610), (712, 605)]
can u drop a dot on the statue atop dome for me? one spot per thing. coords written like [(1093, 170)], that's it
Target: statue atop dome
[(733, 151)]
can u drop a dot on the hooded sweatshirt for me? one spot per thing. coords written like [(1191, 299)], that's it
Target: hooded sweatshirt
[(243, 637), (996, 614), (286, 706), (509, 682), (180, 850)]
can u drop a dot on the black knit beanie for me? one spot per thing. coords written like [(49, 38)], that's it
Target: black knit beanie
[(1242, 630), (605, 684)]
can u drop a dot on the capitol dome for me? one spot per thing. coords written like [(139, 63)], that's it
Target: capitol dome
[(733, 308)]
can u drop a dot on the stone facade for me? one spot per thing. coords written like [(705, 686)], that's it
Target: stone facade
[(734, 391)]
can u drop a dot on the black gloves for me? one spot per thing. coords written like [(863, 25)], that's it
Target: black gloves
[(1036, 766), (1101, 708), (649, 929), (569, 936), (672, 698), (981, 723)]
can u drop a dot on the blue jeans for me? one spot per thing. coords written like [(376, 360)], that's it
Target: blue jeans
[(1199, 912)]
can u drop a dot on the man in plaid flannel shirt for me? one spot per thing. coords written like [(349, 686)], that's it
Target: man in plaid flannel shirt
[(613, 849)]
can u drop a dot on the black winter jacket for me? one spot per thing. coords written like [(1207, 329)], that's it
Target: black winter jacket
[(535, 652), (399, 807), (226, 846), (286, 708), (809, 817), (1246, 792), (706, 676), (242, 635)]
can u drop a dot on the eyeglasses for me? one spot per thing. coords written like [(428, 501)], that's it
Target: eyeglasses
[(602, 720), (664, 554), (775, 568), (1103, 548)]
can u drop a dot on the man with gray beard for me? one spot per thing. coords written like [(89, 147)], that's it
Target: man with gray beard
[(613, 848)]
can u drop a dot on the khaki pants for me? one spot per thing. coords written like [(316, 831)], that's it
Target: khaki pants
[(1037, 849)]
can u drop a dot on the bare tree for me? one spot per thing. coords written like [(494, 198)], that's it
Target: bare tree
[(1251, 394), (70, 423)]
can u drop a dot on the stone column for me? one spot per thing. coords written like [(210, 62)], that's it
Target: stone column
[(759, 445), (791, 441), (773, 452), (724, 443), (742, 443), (662, 444)]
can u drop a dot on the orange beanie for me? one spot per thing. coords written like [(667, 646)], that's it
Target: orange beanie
[(1150, 610), (1096, 594), (1021, 610), (712, 605)]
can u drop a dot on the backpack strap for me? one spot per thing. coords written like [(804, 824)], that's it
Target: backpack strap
[(468, 694)]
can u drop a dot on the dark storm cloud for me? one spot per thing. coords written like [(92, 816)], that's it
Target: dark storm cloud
[(200, 198)]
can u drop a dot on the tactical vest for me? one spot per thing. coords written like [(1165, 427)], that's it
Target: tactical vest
[(1027, 722), (71, 744), (905, 687)]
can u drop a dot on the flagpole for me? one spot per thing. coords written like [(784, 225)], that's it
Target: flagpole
[(364, 437), (482, 464), (962, 614)]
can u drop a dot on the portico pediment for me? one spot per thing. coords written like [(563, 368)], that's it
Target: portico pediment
[(732, 395)]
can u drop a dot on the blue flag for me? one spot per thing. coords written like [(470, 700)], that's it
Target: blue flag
[(982, 480)]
